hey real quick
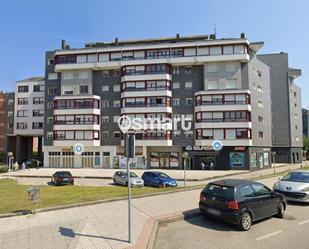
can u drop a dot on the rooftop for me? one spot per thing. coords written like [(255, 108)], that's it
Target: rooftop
[(37, 78)]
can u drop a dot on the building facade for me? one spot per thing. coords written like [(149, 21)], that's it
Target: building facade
[(221, 85), (24, 119), (286, 109), (305, 113)]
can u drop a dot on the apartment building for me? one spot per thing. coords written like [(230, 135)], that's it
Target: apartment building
[(2, 122), (305, 114), (219, 83), (24, 117), (286, 108)]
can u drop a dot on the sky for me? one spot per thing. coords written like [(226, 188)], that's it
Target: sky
[(30, 28)]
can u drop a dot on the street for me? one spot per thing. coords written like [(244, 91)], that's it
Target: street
[(199, 232)]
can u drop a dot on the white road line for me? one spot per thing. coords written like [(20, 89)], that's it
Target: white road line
[(268, 235), (303, 222)]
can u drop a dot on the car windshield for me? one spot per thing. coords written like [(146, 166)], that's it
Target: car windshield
[(296, 177), (222, 192), (162, 175), (131, 174), (64, 174)]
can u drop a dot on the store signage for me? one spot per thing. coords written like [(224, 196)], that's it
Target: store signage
[(239, 148), (198, 148)]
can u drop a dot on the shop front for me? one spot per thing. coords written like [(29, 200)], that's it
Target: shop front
[(166, 158)]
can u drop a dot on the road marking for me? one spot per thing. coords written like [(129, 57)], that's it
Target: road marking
[(303, 222), (268, 235)]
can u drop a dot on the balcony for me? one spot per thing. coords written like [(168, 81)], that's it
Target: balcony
[(153, 138)]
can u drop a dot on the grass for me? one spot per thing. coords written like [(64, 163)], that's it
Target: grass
[(13, 197)]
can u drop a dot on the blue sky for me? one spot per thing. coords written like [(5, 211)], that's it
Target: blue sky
[(29, 28)]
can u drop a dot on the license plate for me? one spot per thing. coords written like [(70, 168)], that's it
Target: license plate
[(213, 211), (65, 179)]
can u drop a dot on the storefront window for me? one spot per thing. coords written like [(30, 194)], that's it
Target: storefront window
[(253, 160), (266, 158), (237, 160)]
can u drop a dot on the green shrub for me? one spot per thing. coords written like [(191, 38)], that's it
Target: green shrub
[(3, 168)]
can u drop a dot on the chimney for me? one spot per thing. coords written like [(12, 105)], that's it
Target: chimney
[(116, 41), (177, 36), (242, 35), (63, 44)]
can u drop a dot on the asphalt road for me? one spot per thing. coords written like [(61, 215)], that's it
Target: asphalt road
[(199, 232)]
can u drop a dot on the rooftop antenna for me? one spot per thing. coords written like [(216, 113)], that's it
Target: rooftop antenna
[(215, 29)]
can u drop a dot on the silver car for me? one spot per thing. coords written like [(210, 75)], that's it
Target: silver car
[(121, 178), (294, 186)]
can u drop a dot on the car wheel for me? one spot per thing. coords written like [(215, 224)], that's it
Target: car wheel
[(245, 221), (114, 182), (281, 210)]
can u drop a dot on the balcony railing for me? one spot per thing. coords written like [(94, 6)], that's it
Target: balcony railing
[(210, 120)]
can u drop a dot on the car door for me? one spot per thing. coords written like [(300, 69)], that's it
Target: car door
[(250, 201), (268, 201)]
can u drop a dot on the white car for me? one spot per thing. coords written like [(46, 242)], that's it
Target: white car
[(121, 178)]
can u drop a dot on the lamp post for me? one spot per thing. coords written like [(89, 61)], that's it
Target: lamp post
[(274, 163), (305, 156), (185, 156), (10, 155)]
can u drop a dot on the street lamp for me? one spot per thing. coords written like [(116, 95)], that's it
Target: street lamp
[(185, 156), (274, 164), (10, 157)]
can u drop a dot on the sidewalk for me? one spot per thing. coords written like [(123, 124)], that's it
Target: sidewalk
[(192, 175), (99, 226)]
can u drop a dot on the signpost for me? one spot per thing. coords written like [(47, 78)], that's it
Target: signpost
[(130, 154), (185, 156)]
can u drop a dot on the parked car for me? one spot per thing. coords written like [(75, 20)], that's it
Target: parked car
[(62, 177), (158, 179), (240, 202), (294, 186), (121, 177)]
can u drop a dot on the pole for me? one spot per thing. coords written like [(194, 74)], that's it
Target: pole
[(185, 173), (274, 165), (129, 200), (9, 167)]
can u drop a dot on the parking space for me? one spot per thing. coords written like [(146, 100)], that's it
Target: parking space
[(200, 232)]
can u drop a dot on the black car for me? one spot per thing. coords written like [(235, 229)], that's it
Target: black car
[(240, 202), (62, 177)]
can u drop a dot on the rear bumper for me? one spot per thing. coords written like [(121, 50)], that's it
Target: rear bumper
[(226, 216)]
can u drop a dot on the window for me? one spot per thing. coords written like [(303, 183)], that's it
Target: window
[(67, 75), (261, 134), (49, 135), (189, 101), (239, 49), (22, 101), (176, 85), (92, 57), (246, 191), (294, 94), (116, 134), (228, 49), (10, 125), (37, 125), (83, 89), (104, 134), (260, 118), (176, 102), (230, 67), (212, 67), (22, 126), (188, 133), (259, 73), (22, 113), (116, 73), (38, 100), (188, 70), (10, 114), (83, 75), (231, 84), (260, 190), (50, 120), (116, 103), (207, 134), (105, 119), (116, 118), (105, 104), (52, 76), (10, 101), (51, 62), (23, 89), (52, 91), (38, 88), (50, 105), (260, 103), (105, 88), (212, 84), (230, 134), (188, 85), (259, 89), (105, 74), (38, 113), (218, 134), (215, 50), (175, 70), (116, 88), (176, 133)]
